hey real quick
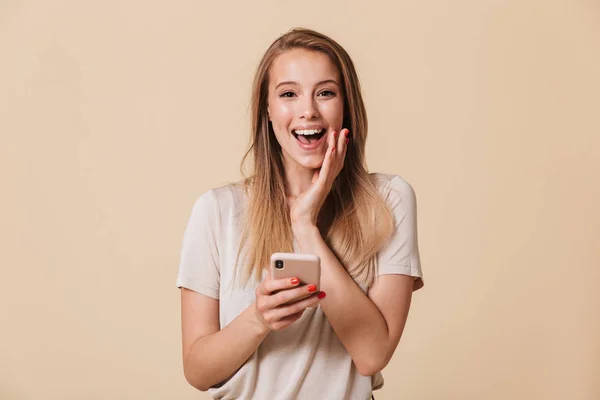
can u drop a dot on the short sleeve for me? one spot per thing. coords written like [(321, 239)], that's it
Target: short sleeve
[(199, 261), (400, 255)]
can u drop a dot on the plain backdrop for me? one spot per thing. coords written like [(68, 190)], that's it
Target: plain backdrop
[(115, 116)]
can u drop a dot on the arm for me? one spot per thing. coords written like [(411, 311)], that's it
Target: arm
[(211, 355), (368, 327)]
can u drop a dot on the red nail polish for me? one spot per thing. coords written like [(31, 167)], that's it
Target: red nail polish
[(295, 281), (312, 288), (347, 140), (321, 295)]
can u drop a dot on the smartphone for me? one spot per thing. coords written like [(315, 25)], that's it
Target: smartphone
[(306, 267)]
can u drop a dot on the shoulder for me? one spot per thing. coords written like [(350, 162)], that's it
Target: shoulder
[(222, 196), (221, 203), (393, 186), (229, 194)]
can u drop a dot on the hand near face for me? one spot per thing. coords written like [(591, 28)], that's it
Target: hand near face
[(305, 209)]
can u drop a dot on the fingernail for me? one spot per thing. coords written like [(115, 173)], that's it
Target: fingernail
[(312, 288), (295, 281), (333, 149), (346, 133), (347, 140), (322, 295)]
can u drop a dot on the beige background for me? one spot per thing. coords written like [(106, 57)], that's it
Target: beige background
[(115, 116)]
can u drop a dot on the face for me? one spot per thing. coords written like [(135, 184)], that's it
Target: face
[(305, 105)]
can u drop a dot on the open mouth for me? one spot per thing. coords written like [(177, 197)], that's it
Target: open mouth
[(308, 136)]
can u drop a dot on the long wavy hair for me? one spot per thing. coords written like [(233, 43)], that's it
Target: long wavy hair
[(355, 220)]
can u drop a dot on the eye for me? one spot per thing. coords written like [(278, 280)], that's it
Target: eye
[(285, 94), (327, 93)]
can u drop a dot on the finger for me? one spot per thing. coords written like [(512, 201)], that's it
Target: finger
[(331, 142), (261, 289), (331, 139), (341, 145), (287, 321), (288, 296), (315, 177), (341, 141), (326, 166), (292, 308), (297, 315), (272, 285), (346, 143)]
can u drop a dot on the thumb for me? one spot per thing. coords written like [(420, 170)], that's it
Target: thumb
[(315, 176)]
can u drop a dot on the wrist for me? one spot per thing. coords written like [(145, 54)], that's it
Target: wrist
[(308, 238), (304, 228), (258, 325), (303, 220)]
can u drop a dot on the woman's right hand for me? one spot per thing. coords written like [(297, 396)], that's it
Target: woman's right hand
[(280, 302)]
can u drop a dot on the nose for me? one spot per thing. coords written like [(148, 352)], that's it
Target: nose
[(309, 109)]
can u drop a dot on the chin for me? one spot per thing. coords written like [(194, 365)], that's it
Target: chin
[(312, 162)]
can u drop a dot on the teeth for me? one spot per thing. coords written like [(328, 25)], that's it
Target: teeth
[(307, 132)]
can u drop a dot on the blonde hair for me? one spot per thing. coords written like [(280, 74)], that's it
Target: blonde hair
[(355, 221)]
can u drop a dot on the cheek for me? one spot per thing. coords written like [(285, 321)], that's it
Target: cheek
[(333, 112), (281, 113)]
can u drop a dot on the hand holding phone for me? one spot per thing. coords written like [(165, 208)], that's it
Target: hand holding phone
[(291, 286)]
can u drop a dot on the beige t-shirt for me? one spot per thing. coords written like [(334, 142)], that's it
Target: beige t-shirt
[(306, 360)]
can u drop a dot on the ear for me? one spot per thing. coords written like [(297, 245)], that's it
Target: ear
[(269, 113)]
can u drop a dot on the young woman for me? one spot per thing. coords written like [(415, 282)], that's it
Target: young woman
[(247, 336)]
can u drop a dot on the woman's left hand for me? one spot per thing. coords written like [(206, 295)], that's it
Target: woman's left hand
[(305, 209)]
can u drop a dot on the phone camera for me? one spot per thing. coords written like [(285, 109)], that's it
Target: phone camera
[(279, 264)]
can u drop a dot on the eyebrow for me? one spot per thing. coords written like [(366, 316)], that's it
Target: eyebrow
[(296, 83)]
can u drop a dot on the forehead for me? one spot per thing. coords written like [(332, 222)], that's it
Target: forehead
[(303, 66)]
